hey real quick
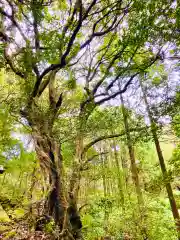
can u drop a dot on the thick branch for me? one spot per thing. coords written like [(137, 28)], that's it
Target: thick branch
[(59, 102), (89, 145), (52, 90), (43, 86), (62, 62)]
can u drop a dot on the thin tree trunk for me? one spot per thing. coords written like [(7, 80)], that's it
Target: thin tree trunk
[(162, 164), (33, 182), (105, 189), (124, 165), (134, 170), (119, 178), (18, 183)]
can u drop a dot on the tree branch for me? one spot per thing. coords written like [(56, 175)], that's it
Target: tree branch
[(13, 68), (118, 92), (14, 22), (129, 81), (116, 78), (89, 145), (73, 37), (93, 157)]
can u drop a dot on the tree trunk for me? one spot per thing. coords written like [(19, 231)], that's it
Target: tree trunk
[(134, 170), (60, 204), (119, 177), (162, 164), (48, 152), (124, 165), (105, 189)]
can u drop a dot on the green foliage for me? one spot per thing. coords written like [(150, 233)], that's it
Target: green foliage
[(176, 125), (129, 222), (71, 83), (175, 160), (49, 227)]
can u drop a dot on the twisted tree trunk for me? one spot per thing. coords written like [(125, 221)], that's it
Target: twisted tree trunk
[(61, 203)]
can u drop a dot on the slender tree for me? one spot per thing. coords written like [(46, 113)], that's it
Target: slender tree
[(119, 173), (134, 170), (162, 161)]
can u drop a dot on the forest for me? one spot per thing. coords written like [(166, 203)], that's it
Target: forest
[(90, 119)]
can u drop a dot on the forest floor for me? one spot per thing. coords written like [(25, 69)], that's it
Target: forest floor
[(18, 229)]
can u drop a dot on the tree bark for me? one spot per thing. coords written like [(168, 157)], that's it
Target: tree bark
[(48, 152), (61, 203), (162, 163)]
